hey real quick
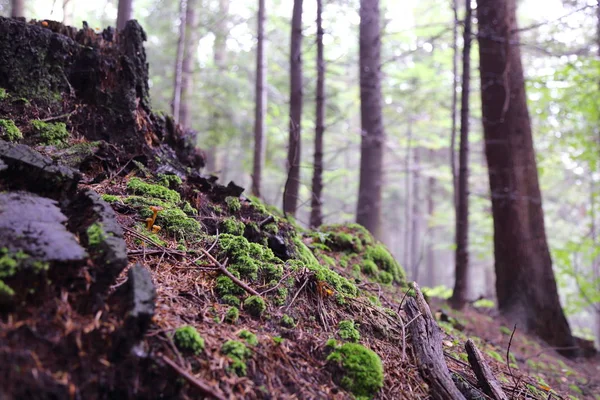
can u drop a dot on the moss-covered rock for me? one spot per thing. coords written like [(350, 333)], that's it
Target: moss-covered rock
[(138, 186), (232, 226), (249, 337), (362, 369), (233, 204), (9, 131), (232, 315), (95, 234), (255, 305), (188, 339), (237, 353), (385, 261), (348, 330)]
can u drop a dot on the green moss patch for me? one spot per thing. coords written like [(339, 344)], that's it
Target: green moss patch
[(189, 340), (11, 263), (249, 337), (95, 234), (362, 369), (255, 305), (138, 186), (237, 353), (233, 204), (9, 131), (232, 226), (347, 331), (52, 134)]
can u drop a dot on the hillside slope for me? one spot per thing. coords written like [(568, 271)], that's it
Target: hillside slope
[(126, 273)]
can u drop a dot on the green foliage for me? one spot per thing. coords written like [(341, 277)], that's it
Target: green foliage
[(287, 321), (278, 340), (249, 337), (3, 94), (441, 291), (237, 352), (9, 131), (169, 180), (188, 339), (95, 234), (347, 330), (362, 368), (484, 303), (385, 261), (255, 305), (138, 186), (233, 314), (109, 198), (54, 134), (233, 204), (233, 226)]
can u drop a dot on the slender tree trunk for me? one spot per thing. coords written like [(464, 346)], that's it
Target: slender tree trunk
[(18, 8), (221, 33), (67, 6), (260, 103), (368, 211), (408, 202), (430, 280), (292, 185), (454, 101), (188, 63), (316, 213), (176, 103), (461, 259), (415, 243), (124, 14), (525, 284), (596, 260)]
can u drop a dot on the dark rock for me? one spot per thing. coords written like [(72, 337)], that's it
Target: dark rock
[(26, 169), (35, 225), (139, 295), (96, 223), (278, 246)]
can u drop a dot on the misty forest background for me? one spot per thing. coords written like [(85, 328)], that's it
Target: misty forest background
[(420, 61)]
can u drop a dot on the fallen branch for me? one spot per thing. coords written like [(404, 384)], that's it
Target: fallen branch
[(228, 274), (202, 386), (426, 338), (484, 374)]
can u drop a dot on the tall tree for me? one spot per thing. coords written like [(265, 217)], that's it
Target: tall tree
[(461, 255), (368, 211), (260, 105), (124, 14), (316, 212), (17, 8), (525, 284), (429, 278), (176, 103), (455, 24), (292, 184), (187, 67), (415, 217)]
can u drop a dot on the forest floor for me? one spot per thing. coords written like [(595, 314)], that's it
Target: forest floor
[(246, 304)]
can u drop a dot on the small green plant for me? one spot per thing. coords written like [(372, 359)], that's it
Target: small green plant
[(95, 234), (233, 203), (138, 186), (109, 198), (249, 337), (287, 321), (3, 94), (347, 330), (278, 340), (505, 330), (9, 131), (232, 226), (169, 181), (255, 305), (233, 314), (53, 134), (188, 339), (237, 352)]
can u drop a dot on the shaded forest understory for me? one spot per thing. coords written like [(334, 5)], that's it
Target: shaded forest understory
[(126, 273)]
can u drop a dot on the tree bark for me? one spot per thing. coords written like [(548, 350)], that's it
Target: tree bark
[(368, 211), (525, 284), (125, 13), (187, 67), (454, 100), (316, 213), (461, 255), (292, 185), (17, 9), (176, 103), (260, 102)]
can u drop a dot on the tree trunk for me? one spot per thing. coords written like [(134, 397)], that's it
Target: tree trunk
[(461, 255), (408, 201), (454, 100), (316, 213), (18, 8), (596, 260), (221, 33), (187, 67), (415, 220), (525, 284), (430, 274), (368, 211), (292, 185), (176, 103), (125, 13), (67, 6), (261, 102)]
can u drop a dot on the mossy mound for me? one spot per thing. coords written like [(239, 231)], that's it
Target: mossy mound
[(353, 246), (362, 369), (9, 131)]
